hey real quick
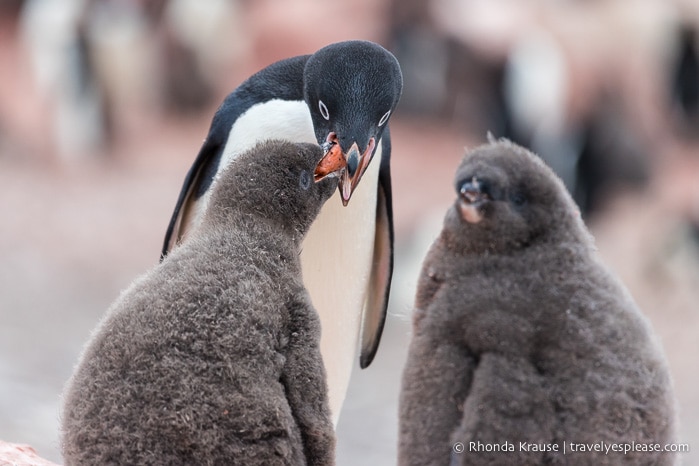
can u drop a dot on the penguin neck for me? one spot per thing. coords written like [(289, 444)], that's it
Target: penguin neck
[(289, 120)]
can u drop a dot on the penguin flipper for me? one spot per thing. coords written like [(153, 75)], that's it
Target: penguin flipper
[(198, 179), (376, 305)]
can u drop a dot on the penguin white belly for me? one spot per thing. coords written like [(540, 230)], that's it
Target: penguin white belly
[(337, 252), (337, 259)]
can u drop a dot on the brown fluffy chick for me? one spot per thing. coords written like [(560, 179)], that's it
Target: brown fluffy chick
[(522, 335), (213, 356)]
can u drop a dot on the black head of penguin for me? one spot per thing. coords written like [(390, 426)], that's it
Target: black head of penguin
[(271, 183), (508, 199), (351, 89)]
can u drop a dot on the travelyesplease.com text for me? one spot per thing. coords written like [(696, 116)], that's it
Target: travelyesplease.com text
[(570, 447)]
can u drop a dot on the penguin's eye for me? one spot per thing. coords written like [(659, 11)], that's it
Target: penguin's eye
[(384, 118), (305, 180), (323, 110)]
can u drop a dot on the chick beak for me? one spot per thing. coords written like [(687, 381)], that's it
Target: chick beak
[(349, 166), (471, 200)]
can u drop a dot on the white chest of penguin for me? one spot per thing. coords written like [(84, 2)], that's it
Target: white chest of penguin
[(340, 237)]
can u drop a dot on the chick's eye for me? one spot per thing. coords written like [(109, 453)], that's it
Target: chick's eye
[(518, 199), (384, 118), (305, 180), (460, 184), (323, 110)]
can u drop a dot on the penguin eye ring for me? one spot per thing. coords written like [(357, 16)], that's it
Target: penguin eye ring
[(323, 110), (384, 118)]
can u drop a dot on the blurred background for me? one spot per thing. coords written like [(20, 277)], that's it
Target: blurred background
[(105, 103)]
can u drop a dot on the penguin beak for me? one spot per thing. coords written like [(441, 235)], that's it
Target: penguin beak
[(348, 166), (333, 162), (471, 200)]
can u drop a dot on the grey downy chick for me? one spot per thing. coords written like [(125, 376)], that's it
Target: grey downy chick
[(213, 356), (522, 338)]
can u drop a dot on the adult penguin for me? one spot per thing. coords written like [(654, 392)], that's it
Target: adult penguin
[(340, 97)]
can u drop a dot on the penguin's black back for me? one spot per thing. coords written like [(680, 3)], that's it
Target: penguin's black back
[(686, 74), (281, 80)]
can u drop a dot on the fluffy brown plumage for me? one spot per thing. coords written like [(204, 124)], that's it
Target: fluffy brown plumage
[(522, 335), (213, 356)]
